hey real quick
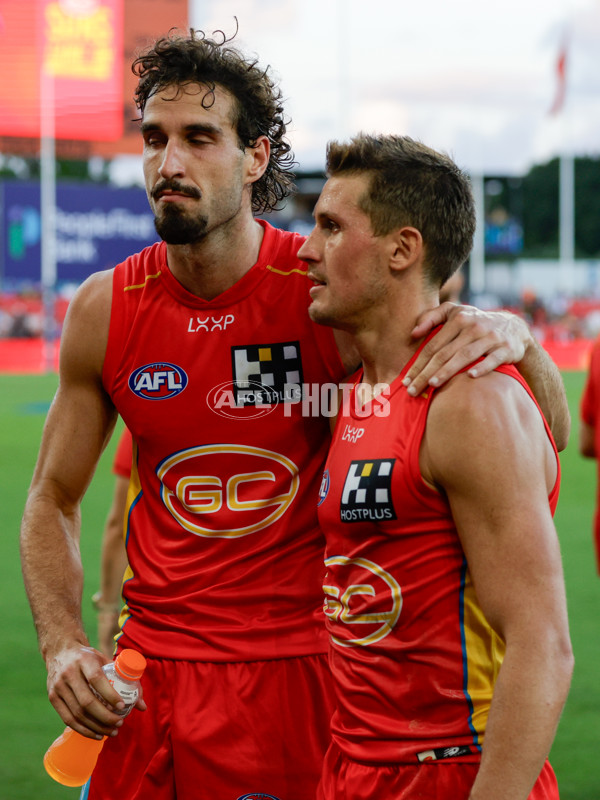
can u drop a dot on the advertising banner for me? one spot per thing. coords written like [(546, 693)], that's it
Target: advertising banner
[(96, 228)]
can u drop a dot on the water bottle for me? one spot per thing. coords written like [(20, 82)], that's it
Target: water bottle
[(71, 758)]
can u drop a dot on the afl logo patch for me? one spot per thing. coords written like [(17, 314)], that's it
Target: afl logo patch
[(258, 796), (158, 381), (222, 400), (324, 488)]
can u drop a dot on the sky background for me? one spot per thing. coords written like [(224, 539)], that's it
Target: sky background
[(472, 78)]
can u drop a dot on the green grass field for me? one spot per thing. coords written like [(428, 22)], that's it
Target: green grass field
[(27, 721)]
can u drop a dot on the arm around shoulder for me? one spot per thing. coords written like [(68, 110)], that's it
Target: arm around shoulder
[(495, 337), (546, 383)]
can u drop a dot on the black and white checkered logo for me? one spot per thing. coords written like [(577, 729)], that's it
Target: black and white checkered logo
[(264, 374), (367, 493)]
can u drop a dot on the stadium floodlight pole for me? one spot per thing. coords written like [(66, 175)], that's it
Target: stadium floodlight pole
[(48, 210), (566, 233), (566, 192)]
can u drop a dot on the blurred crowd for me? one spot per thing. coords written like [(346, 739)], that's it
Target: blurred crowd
[(22, 314), (560, 320)]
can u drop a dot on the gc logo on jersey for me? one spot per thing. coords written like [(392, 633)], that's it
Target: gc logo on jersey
[(362, 601), (227, 490), (367, 493), (158, 381), (276, 369)]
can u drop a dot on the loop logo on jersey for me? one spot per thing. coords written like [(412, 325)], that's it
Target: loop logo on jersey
[(362, 601), (266, 374), (210, 324), (367, 493), (158, 381), (227, 490)]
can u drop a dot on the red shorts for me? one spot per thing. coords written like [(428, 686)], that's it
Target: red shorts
[(344, 779), (223, 731)]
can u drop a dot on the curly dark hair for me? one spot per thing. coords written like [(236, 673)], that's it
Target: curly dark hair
[(179, 59)]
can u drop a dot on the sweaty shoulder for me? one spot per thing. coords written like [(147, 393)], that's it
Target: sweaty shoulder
[(85, 332), (481, 421), (463, 396)]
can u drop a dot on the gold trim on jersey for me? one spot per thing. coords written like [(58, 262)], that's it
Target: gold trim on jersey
[(141, 285), (482, 647), (289, 272)]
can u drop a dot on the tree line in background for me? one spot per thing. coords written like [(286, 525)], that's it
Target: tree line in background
[(533, 201)]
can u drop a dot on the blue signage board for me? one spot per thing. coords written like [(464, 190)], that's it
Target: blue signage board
[(96, 228)]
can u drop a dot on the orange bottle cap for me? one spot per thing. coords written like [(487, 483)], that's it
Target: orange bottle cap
[(130, 664)]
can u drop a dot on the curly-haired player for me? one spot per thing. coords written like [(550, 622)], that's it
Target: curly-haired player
[(258, 111)]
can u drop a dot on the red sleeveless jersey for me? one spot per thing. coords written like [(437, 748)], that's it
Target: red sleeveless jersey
[(413, 658), (225, 553)]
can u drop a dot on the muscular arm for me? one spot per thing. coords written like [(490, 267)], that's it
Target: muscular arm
[(497, 470), (79, 423), (500, 338)]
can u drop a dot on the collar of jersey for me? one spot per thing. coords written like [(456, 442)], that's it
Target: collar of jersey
[(241, 289), (369, 407)]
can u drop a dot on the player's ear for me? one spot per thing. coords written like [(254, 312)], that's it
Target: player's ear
[(406, 248), (257, 158)]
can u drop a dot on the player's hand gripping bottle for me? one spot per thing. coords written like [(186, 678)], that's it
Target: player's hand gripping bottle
[(71, 758)]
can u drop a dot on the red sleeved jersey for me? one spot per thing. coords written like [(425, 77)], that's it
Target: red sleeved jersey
[(225, 553), (413, 658)]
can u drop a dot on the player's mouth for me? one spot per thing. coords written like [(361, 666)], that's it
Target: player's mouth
[(172, 190), (318, 284), (172, 197)]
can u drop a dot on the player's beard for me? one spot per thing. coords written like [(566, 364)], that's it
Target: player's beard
[(175, 226)]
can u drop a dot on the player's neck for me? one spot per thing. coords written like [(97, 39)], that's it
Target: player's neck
[(210, 267), (387, 346)]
